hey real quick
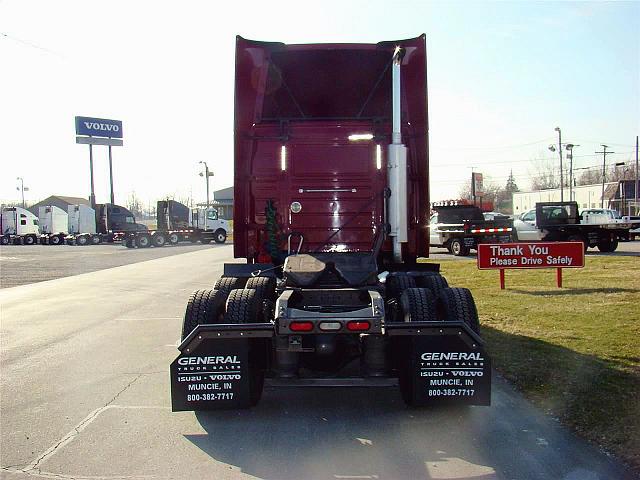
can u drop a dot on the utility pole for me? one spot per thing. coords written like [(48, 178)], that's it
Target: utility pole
[(604, 166), (636, 191)]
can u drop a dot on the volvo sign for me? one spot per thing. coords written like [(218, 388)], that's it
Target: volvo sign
[(98, 127), (99, 131)]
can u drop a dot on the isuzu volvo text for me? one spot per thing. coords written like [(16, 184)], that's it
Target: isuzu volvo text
[(330, 215)]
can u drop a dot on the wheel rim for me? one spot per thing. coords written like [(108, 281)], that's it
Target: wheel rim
[(173, 238), (455, 248), (221, 237), (144, 242)]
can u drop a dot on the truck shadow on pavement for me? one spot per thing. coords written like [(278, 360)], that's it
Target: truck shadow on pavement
[(349, 433), (329, 433)]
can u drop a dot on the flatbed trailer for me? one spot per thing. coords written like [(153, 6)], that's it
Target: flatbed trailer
[(460, 228), (330, 214), (177, 223), (561, 222)]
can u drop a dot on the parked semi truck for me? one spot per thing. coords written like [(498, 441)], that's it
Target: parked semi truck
[(178, 223), (460, 228), (560, 221), (54, 225), (18, 226), (330, 215)]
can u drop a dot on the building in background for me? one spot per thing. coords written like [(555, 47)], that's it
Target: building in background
[(60, 201), (223, 202)]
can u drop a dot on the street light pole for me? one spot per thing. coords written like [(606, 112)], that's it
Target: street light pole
[(570, 147), (561, 173), (21, 188), (206, 175)]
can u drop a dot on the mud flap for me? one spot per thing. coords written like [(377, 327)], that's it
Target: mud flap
[(439, 363), (220, 367)]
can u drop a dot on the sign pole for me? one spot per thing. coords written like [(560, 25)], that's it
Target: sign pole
[(502, 279), (111, 175), (92, 196), (559, 277)]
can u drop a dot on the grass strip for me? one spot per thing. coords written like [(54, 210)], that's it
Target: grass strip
[(575, 351)]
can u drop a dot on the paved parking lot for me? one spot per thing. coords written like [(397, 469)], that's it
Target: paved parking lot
[(84, 394), (24, 264)]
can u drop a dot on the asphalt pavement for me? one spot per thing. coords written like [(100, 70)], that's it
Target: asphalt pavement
[(84, 394), (24, 264)]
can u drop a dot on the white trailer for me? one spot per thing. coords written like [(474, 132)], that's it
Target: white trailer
[(82, 226), (53, 225), (19, 227)]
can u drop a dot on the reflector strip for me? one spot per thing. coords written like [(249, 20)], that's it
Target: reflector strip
[(358, 326), (301, 326), (491, 230)]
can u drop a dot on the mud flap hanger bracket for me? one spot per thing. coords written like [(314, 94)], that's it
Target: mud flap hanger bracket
[(435, 329), (207, 332)]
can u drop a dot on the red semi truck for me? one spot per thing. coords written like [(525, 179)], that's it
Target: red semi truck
[(331, 213)]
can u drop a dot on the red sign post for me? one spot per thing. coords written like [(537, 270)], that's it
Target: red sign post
[(556, 255)]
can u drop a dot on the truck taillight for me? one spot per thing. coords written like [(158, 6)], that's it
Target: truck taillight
[(301, 326), (358, 326)]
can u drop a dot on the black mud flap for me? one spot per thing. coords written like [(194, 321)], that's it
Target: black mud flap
[(221, 367), (440, 363)]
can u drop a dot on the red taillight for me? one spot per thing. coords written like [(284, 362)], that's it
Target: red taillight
[(358, 326), (301, 326)]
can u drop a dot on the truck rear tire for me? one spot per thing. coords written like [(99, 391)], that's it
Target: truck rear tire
[(82, 240), (174, 238), (55, 240), (243, 306), (4, 240), (435, 283), (204, 307), (30, 240), (226, 284), (608, 246), (96, 239), (264, 286), (158, 239), (418, 305), (398, 283), (143, 240), (220, 236), (457, 248), (457, 304)]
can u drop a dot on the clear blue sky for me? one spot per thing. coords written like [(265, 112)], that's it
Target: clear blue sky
[(501, 76)]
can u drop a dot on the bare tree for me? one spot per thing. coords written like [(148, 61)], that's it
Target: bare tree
[(134, 204), (545, 176)]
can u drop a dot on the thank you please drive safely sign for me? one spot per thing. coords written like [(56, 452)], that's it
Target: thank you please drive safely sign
[(531, 255), (556, 255)]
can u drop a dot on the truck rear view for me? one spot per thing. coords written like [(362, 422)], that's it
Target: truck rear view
[(330, 214)]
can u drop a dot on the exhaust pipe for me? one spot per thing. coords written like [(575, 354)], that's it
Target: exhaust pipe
[(397, 165)]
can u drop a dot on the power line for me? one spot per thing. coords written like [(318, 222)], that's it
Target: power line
[(500, 162), (497, 147), (30, 44)]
